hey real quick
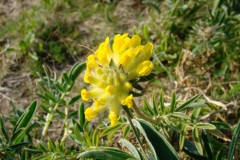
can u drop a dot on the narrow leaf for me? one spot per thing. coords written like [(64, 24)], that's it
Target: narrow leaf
[(24, 121), (155, 109), (106, 153), (191, 150), (130, 147), (235, 139), (185, 105), (147, 78), (173, 102), (126, 131), (201, 125), (18, 146), (26, 117), (76, 70), (162, 106), (3, 128), (81, 115), (74, 99), (51, 97), (195, 134), (207, 145), (179, 115), (160, 146), (110, 129), (182, 135)]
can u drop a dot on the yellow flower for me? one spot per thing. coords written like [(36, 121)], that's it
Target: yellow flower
[(90, 114), (91, 62), (109, 71), (113, 117), (128, 101), (85, 95), (145, 68)]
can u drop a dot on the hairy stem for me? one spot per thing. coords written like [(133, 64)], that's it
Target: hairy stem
[(51, 115), (66, 125), (129, 117)]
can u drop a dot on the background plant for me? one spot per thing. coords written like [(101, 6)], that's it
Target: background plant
[(196, 59)]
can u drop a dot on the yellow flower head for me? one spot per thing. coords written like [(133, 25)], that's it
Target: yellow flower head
[(109, 71)]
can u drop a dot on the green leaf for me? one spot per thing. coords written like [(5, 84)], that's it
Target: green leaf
[(3, 128), (95, 137), (173, 102), (235, 139), (77, 135), (191, 150), (148, 107), (155, 109), (51, 145), (107, 14), (179, 115), (81, 115), (16, 134), (18, 146), (74, 99), (33, 151), (61, 114), (110, 129), (145, 32), (76, 70), (126, 131), (197, 105), (201, 125), (147, 78), (45, 108), (73, 113), (137, 86), (42, 147), (51, 97), (67, 79), (220, 155), (185, 105), (222, 125), (159, 145), (195, 114), (195, 134), (60, 87), (47, 71), (130, 147), (42, 157), (215, 6), (152, 4), (24, 155), (44, 98), (24, 121), (26, 116), (106, 153), (135, 94), (183, 131), (162, 102), (217, 133), (206, 144)]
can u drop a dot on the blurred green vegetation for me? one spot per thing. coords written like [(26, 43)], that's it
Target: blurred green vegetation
[(54, 32)]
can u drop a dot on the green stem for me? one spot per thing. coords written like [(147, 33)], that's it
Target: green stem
[(129, 117), (51, 115), (66, 125)]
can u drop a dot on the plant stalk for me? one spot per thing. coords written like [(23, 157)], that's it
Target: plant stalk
[(51, 115), (66, 125), (129, 117)]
